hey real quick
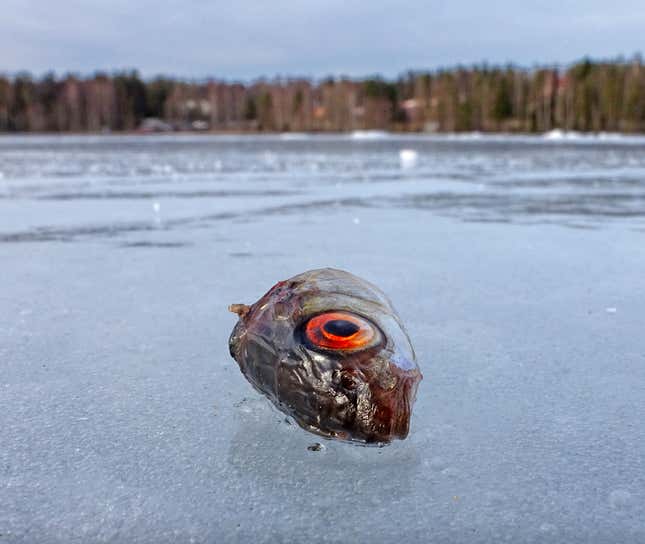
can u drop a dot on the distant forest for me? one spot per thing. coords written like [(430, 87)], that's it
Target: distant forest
[(587, 96)]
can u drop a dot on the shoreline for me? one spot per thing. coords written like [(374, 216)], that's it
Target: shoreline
[(556, 135)]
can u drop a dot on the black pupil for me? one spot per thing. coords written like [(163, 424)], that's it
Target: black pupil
[(341, 327)]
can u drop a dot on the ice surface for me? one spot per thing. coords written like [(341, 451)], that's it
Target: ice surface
[(516, 264)]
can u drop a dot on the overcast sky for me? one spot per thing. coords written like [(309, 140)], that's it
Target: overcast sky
[(243, 39)]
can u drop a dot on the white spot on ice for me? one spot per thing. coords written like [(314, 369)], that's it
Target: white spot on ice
[(156, 208), (356, 221), (408, 158), (611, 310)]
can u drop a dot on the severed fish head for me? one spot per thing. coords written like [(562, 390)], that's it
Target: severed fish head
[(328, 349)]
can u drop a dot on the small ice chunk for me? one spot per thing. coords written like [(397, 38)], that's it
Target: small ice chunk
[(356, 221), (156, 207), (611, 310), (408, 158)]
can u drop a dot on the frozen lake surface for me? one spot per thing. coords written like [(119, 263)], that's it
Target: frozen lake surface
[(518, 265)]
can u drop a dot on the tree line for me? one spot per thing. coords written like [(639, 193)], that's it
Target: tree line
[(586, 96)]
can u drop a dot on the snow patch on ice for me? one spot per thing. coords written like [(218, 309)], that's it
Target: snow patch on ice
[(369, 135), (291, 136), (559, 135)]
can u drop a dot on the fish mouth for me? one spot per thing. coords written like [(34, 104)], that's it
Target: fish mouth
[(392, 410)]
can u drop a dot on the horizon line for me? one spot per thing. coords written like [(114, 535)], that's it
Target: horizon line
[(484, 64)]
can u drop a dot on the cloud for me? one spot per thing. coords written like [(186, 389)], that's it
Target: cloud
[(245, 39)]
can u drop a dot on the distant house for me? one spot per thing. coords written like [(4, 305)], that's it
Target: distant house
[(200, 125), (414, 112), (152, 124)]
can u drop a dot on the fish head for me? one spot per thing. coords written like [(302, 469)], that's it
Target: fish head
[(329, 350)]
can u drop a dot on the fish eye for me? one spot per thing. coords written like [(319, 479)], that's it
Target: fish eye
[(342, 331)]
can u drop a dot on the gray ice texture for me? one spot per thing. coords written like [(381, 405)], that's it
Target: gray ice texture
[(517, 264)]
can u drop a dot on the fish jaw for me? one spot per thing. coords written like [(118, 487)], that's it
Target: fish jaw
[(393, 409)]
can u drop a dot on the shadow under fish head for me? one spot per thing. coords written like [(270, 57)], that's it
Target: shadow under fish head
[(329, 350)]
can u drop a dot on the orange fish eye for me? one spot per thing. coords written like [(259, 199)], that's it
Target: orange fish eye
[(341, 331)]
